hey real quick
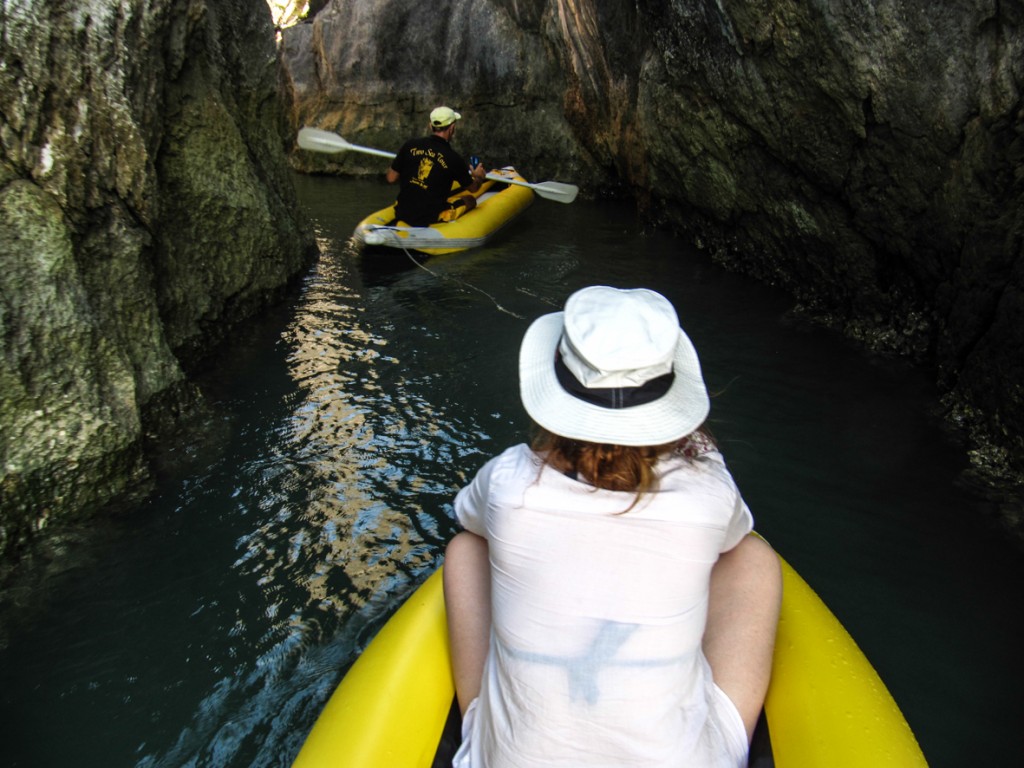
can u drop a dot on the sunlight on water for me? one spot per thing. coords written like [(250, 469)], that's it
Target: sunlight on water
[(351, 496)]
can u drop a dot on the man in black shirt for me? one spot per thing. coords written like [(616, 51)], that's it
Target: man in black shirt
[(428, 168)]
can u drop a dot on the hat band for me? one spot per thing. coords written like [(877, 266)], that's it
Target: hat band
[(612, 397)]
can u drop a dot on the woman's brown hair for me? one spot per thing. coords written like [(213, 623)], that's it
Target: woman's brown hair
[(613, 467)]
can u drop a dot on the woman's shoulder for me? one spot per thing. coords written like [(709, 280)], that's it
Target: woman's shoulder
[(685, 466), (518, 455), (697, 445), (515, 466), (513, 459)]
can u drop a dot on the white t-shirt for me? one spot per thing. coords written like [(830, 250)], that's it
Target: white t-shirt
[(597, 618)]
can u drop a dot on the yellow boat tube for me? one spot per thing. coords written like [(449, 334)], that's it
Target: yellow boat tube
[(391, 706), (826, 705), (497, 204)]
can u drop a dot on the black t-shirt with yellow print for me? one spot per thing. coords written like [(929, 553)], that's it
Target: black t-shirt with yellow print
[(427, 167)]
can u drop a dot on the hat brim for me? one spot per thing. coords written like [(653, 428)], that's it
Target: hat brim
[(669, 418)]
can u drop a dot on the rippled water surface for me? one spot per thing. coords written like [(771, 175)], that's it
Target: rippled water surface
[(208, 626)]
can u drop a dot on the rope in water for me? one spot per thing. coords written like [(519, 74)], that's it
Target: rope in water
[(463, 282)]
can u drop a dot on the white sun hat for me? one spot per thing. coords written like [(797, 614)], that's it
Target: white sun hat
[(614, 367)]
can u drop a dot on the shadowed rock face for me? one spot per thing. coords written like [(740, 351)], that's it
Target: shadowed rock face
[(145, 205), (867, 157), (375, 70)]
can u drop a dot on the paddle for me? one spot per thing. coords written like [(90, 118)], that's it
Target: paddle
[(316, 140)]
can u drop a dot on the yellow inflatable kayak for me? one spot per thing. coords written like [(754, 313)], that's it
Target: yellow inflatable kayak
[(497, 204), (826, 705)]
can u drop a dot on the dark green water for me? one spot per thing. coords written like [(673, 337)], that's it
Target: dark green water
[(208, 627)]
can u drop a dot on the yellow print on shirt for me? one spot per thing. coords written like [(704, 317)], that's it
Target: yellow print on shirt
[(429, 155), (426, 165), (427, 159)]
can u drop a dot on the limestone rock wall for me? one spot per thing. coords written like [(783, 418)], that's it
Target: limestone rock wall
[(145, 205), (868, 157)]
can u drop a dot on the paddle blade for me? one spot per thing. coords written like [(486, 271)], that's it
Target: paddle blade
[(550, 190), (316, 140), (556, 190)]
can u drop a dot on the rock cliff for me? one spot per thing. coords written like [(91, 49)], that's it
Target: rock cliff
[(145, 205), (867, 157)]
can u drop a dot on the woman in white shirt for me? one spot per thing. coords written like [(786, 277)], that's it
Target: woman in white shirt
[(607, 603)]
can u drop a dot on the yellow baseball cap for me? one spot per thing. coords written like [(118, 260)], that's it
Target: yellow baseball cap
[(442, 117)]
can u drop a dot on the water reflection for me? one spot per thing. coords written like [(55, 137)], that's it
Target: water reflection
[(347, 497)]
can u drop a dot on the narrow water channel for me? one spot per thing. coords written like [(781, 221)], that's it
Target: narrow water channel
[(208, 626)]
